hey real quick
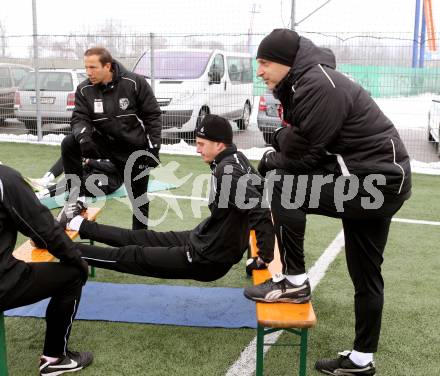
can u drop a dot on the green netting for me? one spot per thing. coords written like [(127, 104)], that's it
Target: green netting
[(383, 81)]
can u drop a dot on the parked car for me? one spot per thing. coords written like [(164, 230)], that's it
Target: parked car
[(10, 77), (434, 122), (57, 96), (269, 115), (190, 83)]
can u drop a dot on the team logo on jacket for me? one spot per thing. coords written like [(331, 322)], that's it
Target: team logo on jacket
[(123, 103)]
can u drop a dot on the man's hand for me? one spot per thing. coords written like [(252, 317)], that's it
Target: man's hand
[(88, 148), (276, 139), (254, 263), (262, 166)]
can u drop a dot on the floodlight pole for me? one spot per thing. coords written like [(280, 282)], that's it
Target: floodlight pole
[(292, 15)]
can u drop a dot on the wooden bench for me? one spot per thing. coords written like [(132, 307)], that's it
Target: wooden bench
[(273, 317), (26, 252)]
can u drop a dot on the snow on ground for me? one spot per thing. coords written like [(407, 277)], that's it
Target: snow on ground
[(405, 112)]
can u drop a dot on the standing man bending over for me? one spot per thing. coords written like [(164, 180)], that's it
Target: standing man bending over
[(207, 252), (341, 157), (116, 114)]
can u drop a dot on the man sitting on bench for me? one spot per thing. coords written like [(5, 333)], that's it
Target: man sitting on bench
[(207, 252), (26, 283)]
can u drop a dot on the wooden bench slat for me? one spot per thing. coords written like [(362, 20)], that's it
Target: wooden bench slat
[(279, 315), (26, 252)]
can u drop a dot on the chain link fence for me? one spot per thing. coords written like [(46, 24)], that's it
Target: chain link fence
[(196, 74)]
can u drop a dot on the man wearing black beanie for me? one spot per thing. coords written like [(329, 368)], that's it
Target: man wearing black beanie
[(208, 251), (337, 136)]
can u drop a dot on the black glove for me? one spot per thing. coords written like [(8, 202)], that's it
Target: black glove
[(254, 263), (262, 166), (276, 139), (152, 160), (88, 148)]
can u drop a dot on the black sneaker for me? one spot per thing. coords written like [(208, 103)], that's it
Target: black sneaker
[(72, 208), (71, 362), (279, 290), (343, 366)]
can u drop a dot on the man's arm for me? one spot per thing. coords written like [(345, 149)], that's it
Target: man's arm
[(149, 113), (81, 122), (260, 220), (33, 219), (319, 112)]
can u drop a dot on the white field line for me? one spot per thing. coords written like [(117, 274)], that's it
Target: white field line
[(167, 195), (416, 221), (246, 363)]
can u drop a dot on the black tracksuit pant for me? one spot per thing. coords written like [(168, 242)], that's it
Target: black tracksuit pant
[(72, 162), (365, 232), (60, 282), (147, 253)]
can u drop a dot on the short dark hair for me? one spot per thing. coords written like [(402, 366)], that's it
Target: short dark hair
[(104, 55)]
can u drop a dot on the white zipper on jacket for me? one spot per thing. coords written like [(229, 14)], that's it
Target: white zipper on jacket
[(394, 161), (326, 74)]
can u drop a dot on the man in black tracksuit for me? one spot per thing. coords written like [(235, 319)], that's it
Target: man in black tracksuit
[(116, 116), (26, 283), (340, 157), (207, 252)]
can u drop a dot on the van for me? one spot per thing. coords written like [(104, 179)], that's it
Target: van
[(191, 83)]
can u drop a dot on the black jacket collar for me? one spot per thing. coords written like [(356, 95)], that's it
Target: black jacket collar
[(231, 149)]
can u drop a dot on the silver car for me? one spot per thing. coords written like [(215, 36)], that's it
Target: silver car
[(269, 115), (434, 122), (10, 77), (57, 96)]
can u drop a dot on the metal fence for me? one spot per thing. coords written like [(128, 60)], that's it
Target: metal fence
[(195, 74)]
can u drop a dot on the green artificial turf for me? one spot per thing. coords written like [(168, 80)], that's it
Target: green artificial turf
[(409, 343)]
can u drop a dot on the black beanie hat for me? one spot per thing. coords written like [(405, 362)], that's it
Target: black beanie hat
[(280, 46), (215, 128)]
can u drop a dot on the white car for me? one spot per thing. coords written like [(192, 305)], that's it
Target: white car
[(57, 96), (434, 121), (190, 83)]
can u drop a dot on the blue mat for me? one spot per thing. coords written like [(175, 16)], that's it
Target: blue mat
[(158, 304), (153, 186)]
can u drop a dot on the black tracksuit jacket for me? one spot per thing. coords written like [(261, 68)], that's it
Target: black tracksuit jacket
[(335, 125), (224, 235), (20, 211), (123, 112)]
